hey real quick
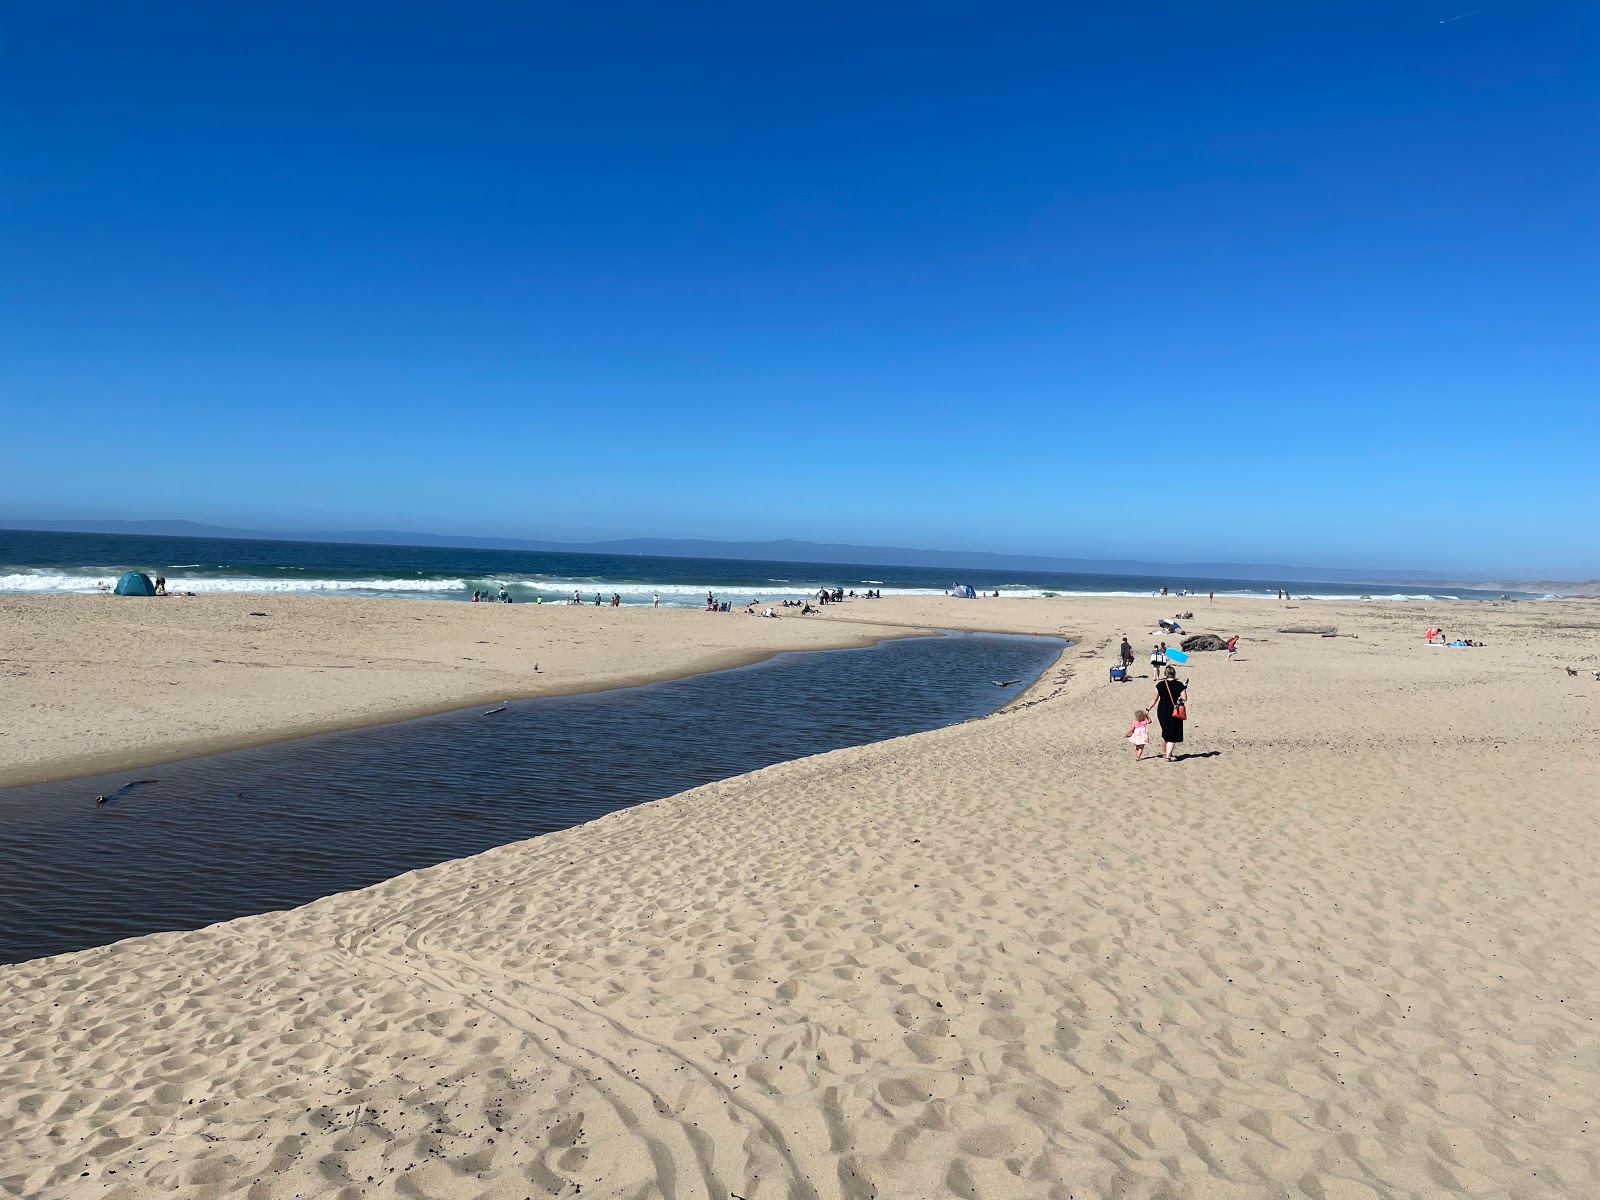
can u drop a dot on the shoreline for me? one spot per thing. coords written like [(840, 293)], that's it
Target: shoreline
[(179, 752), (90, 762), (176, 752), (930, 614)]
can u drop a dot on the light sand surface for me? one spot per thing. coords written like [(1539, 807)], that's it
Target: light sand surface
[(1348, 949), (96, 683)]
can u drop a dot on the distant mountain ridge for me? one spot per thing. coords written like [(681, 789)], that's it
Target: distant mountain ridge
[(790, 550)]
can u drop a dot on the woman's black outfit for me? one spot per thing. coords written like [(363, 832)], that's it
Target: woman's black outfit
[(1169, 694)]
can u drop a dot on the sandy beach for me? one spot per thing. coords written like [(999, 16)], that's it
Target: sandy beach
[(1344, 948)]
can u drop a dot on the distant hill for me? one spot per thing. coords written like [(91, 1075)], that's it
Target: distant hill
[(787, 550)]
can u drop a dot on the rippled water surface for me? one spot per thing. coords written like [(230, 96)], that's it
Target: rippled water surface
[(275, 826)]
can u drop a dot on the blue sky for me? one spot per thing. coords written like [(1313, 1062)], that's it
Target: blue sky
[(1300, 282)]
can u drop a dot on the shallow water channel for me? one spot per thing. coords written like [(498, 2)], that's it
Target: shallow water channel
[(275, 826)]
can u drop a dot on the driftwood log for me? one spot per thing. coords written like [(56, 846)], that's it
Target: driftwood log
[(1318, 630)]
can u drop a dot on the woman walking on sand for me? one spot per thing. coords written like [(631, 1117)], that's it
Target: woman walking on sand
[(1170, 709)]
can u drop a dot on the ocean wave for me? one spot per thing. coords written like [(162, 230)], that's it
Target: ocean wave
[(89, 579), (92, 581), (527, 587)]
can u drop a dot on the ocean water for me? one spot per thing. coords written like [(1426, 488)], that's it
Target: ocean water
[(84, 562), (185, 844)]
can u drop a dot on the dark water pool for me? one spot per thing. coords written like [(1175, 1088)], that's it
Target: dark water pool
[(275, 826)]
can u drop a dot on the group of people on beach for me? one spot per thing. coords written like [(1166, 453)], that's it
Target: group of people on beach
[(1168, 703)]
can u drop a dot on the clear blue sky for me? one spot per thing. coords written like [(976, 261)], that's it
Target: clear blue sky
[(1292, 281)]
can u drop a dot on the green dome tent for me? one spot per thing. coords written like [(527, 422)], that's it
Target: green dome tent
[(135, 583)]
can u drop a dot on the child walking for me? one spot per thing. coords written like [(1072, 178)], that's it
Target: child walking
[(1139, 733)]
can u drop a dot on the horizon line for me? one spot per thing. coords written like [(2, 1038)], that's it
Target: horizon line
[(1066, 564)]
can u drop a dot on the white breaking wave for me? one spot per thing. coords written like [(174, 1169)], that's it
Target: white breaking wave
[(52, 581), (425, 586), (90, 579)]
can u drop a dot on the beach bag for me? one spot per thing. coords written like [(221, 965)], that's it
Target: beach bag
[(1180, 711)]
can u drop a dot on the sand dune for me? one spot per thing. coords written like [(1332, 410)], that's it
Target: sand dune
[(1346, 950)]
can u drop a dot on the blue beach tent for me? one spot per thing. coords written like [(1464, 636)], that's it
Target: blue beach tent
[(964, 591), (135, 583)]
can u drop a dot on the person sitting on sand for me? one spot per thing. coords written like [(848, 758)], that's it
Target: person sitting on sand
[(1139, 733), (1169, 703)]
